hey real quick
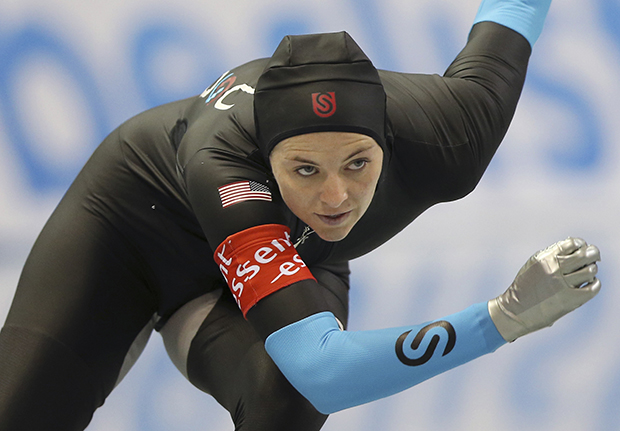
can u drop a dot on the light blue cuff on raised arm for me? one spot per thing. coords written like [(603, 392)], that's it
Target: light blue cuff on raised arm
[(337, 369), (523, 16)]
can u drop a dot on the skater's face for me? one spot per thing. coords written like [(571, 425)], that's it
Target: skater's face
[(328, 179)]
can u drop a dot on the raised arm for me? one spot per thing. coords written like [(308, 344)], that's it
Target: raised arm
[(526, 17), (447, 128)]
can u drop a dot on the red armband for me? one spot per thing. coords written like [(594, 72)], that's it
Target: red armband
[(259, 261)]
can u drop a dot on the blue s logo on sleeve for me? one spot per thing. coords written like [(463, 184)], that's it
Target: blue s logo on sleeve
[(430, 350)]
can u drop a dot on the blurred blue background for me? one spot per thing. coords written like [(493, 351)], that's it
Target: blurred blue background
[(71, 71)]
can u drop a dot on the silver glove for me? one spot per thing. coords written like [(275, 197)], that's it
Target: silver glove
[(552, 283)]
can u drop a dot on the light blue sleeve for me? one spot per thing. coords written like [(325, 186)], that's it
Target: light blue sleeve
[(337, 369), (523, 16)]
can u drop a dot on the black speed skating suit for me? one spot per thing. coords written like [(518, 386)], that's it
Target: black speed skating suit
[(135, 233)]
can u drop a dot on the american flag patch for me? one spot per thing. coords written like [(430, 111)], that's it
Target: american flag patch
[(242, 191)]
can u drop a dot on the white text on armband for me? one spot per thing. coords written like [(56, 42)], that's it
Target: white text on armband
[(259, 261)]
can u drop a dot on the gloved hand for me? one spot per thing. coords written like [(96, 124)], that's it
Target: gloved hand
[(552, 283)]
